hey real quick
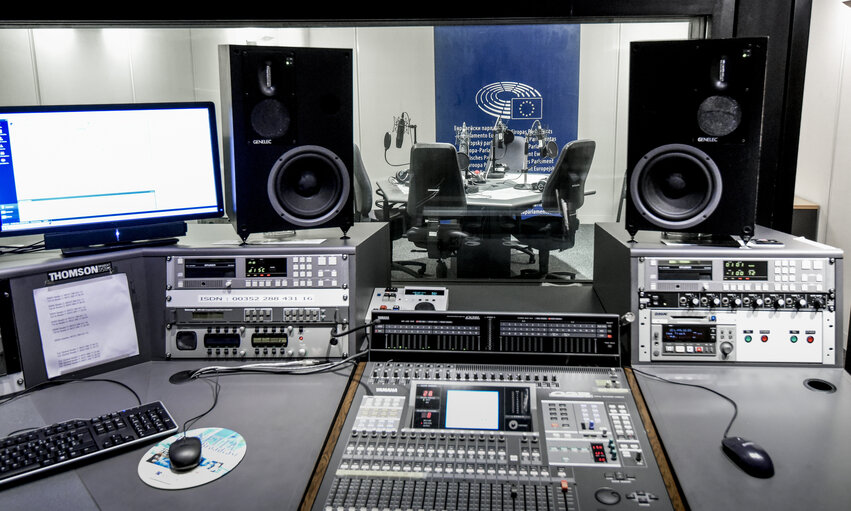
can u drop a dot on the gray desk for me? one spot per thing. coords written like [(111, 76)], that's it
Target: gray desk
[(805, 432), (284, 420)]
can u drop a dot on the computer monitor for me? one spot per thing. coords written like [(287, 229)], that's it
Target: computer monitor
[(107, 175)]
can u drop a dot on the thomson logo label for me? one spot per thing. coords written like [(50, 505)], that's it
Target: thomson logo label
[(81, 271)]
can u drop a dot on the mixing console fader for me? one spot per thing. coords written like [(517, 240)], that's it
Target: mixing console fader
[(436, 436)]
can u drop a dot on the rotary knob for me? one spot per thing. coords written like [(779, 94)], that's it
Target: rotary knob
[(726, 348)]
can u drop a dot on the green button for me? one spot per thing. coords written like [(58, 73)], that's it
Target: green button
[(794, 338), (748, 338)]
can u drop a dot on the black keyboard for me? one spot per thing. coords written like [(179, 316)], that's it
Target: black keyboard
[(56, 446)]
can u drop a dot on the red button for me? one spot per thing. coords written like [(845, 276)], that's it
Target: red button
[(810, 339), (764, 338)]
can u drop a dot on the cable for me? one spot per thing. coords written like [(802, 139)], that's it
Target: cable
[(11, 397), (216, 389), (294, 367), (735, 406), (25, 249), (355, 329)]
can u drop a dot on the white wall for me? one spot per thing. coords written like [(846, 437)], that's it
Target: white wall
[(824, 153), (394, 73)]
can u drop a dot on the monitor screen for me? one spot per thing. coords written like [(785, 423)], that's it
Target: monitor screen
[(81, 167)]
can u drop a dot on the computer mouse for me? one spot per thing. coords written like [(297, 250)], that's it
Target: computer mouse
[(749, 456), (185, 453)]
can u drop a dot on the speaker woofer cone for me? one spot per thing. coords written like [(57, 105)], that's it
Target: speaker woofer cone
[(676, 186), (308, 186)]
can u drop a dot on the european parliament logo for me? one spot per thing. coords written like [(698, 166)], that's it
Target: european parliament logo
[(510, 100)]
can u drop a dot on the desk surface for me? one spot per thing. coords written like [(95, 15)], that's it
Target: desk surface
[(496, 193), (805, 432), (284, 419)]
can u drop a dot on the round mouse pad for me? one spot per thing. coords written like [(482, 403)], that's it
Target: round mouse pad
[(221, 451)]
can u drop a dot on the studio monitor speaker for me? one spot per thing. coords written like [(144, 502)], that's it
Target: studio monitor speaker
[(695, 124), (288, 129)]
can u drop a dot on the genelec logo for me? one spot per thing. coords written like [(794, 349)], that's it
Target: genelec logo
[(707, 139), (262, 142), (82, 271)]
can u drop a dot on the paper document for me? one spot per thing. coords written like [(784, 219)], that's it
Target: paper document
[(85, 323)]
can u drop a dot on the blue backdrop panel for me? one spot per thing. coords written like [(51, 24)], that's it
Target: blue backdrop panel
[(516, 74)]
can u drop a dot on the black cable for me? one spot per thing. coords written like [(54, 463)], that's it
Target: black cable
[(12, 397), (355, 329), (16, 395), (216, 389), (735, 406), (25, 249)]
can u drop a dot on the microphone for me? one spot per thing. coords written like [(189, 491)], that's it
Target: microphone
[(539, 134), (547, 147), (386, 141), (400, 130), (463, 141)]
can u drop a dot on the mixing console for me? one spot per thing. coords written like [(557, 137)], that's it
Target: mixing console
[(495, 437)]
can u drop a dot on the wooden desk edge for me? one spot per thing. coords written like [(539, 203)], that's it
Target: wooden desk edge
[(331, 442), (658, 451)]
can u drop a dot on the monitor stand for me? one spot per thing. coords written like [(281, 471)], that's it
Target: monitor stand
[(111, 239)]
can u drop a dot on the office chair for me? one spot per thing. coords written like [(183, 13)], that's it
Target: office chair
[(363, 190), (389, 212), (436, 202), (563, 195)]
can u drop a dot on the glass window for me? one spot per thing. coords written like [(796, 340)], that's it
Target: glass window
[(490, 149)]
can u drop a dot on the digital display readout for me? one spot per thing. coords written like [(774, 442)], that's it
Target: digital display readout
[(745, 270), (424, 292), (688, 333), (266, 267)]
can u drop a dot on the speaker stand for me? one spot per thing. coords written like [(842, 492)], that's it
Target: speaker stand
[(345, 235), (696, 238)]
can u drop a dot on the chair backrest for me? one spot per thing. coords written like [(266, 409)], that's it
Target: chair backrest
[(568, 176), (363, 189), (436, 181)]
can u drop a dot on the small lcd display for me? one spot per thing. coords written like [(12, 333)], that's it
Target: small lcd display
[(472, 409), (266, 267), (687, 333), (424, 292), (745, 270)]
